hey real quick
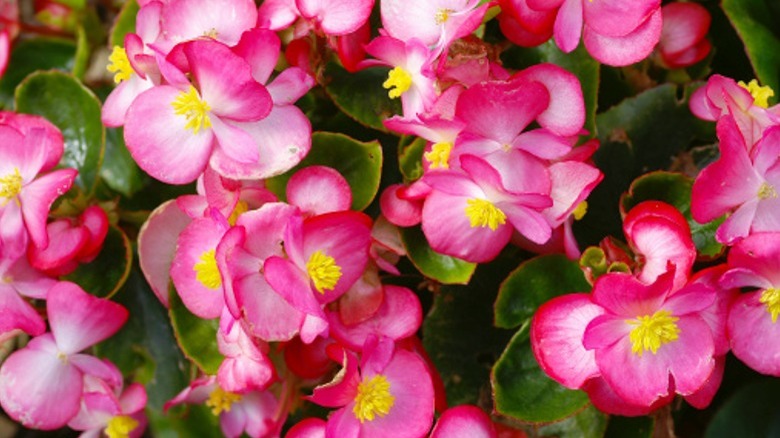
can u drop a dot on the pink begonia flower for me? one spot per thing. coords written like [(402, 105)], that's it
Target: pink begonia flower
[(335, 17), (115, 415), (742, 186), (747, 103), (614, 32), (309, 361), (650, 341), (471, 214), (464, 421), (318, 190), (255, 413), (524, 26), (25, 195), (326, 255), (752, 323), (21, 280), (173, 130), (435, 23), (390, 395), (220, 20), (399, 317), (411, 78), (241, 254), (41, 384), (308, 428), (439, 132), (246, 366), (683, 37), (350, 48)]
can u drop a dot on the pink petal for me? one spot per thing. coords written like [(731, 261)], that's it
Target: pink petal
[(191, 19), (308, 428), (604, 398), (568, 25), (290, 85), (37, 198), (336, 17), (464, 421), (565, 114), (235, 144), (319, 190), (18, 314), (755, 339), (617, 18), (624, 50), (260, 49)]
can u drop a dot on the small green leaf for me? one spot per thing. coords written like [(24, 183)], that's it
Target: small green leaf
[(752, 411), (534, 283), (442, 268), (674, 189), (361, 95), (410, 157), (119, 170), (360, 163), (197, 337), (124, 24), (756, 25), (105, 275), (524, 392), (29, 55), (64, 101)]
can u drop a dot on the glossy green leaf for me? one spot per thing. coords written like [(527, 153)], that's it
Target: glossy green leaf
[(756, 25), (361, 95), (442, 268), (197, 337), (752, 411), (578, 62), (124, 23), (674, 189), (64, 101), (534, 283), (589, 422), (524, 392), (144, 348), (360, 163), (119, 171), (459, 336), (105, 275), (410, 156), (34, 54)]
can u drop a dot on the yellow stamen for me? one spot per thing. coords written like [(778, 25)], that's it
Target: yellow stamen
[(11, 186), (771, 297), (373, 398), (240, 208), (323, 271), (193, 108), (119, 65), (766, 191), (206, 270), (400, 79), (221, 401), (120, 426), (651, 332), (580, 211), (482, 213), (211, 33), (760, 94), (439, 155), (442, 15)]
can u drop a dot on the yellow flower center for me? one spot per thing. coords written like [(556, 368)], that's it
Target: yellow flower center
[(120, 426), (766, 191), (373, 398), (206, 270), (760, 94), (398, 82), (442, 15), (482, 213), (119, 65), (193, 108), (211, 33), (439, 156), (323, 271), (240, 208), (221, 401), (580, 211), (11, 186), (650, 332), (771, 297)]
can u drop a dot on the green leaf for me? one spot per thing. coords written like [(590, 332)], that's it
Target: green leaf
[(105, 275), (29, 55), (589, 422), (197, 337), (124, 24), (756, 25), (64, 101), (752, 411), (361, 95), (578, 62), (119, 170), (524, 392), (459, 336), (360, 163), (442, 268), (184, 421), (533, 283), (81, 61), (144, 348), (675, 189), (410, 156)]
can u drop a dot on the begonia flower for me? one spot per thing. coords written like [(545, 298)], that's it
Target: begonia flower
[(21, 281), (115, 415), (464, 421), (683, 38), (246, 366)]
